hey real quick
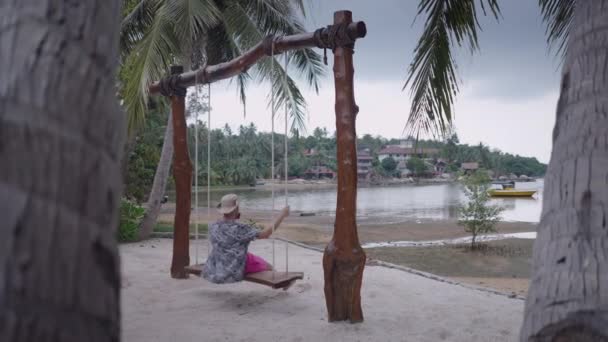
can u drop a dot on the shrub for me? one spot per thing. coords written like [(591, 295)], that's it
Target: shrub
[(130, 217), (477, 216), (389, 164)]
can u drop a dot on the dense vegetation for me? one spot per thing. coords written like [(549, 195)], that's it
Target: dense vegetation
[(240, 157)]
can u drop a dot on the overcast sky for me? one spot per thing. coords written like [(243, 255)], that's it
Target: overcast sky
[(508, 92)]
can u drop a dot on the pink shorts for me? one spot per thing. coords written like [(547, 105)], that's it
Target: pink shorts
[(255, 264)]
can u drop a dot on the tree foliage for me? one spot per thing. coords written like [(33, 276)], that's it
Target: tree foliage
[(144, 154), (130, 216), (389, 164), (449, 24), (477, 216), (158, 33), (417, 166)]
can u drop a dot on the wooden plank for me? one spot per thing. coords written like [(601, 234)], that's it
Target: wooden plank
[(276, 280), (197, 270)]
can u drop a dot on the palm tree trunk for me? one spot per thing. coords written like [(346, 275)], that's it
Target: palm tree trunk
[(159, 184), (61, 145), (568, 296)]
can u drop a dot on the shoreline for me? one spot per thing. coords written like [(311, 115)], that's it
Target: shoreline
[(302, 184)]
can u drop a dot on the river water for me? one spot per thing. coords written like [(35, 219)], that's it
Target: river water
[(392, 204)]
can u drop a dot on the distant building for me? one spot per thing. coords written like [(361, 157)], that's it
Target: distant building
[(405, 150), (403, 170), (440, 166), (319, 172), (364, 163), (309, 152), (468, 168)]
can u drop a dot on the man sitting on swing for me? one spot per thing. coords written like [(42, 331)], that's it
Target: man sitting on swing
[(229, 260)]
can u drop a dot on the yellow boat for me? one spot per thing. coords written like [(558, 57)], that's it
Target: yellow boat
[(511, 193)]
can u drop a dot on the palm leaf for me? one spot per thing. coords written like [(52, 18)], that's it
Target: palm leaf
[(270, 16), (136, 23), (277, 17), (148, 62), (557, 14), (245, 33), (192, 17), (432, 74)]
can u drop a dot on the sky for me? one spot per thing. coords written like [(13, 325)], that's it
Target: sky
[(508, 90)]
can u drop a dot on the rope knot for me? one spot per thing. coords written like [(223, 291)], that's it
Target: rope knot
[(169, 86)]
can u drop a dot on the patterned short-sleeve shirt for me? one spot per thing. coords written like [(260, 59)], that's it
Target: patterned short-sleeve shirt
[(229, 243)]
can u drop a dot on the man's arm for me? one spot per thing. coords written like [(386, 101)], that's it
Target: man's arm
[(266, 232)]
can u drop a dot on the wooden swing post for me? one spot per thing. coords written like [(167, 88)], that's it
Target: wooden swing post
[(344, 259), (182, 172)]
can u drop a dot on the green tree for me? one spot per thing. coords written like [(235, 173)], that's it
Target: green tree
[(417, 166), (575, 311), (477, 216), (143, 157), (450, 149), (389, 164), (156, 33)]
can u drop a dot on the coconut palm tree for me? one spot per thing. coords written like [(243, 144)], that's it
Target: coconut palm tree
[(157, 33), (61, 138), (567, 298)]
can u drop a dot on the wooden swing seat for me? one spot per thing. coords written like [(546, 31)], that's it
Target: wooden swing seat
[(274, 279)]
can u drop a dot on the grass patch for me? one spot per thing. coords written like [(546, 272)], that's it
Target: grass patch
[(509, 258), (167, 227)]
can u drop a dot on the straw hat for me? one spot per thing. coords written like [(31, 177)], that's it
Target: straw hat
[(228, 204)]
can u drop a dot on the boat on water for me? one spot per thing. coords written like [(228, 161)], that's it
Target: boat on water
[(511, 193), (508, 190)]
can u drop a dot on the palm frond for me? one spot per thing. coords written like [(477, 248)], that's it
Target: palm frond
[(241, 82), (299, 4), (192, 17), (278, 17), (432, 74), (308, 63), (241, 26), (557, 15), (270, 16), (286, 93), (149, 61), (136, 23)]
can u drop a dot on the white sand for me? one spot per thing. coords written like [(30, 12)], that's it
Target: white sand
[(398, 306)]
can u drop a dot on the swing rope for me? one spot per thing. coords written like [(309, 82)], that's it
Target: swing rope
[(208, 166), (272, 151), (286, 163), (285, 157), (198, 87), (272, 164), (196, 216)]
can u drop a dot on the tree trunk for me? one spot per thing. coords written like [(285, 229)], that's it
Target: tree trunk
[(159, 184), (568, 295), (61, 146), (124, 165), (344, 259), (182, 172)]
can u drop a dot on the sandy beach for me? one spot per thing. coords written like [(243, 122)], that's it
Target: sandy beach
[(505, 267), (398, 305)]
